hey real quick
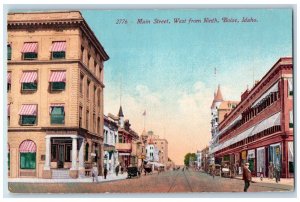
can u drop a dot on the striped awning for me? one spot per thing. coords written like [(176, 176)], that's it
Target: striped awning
[(9, 77), (58, 76), (28, 77), (30, 47), (55, 105), (27, 146), (30, 110), (58, 46)]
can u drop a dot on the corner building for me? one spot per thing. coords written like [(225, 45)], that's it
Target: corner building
[(259, 130), (55, 95)]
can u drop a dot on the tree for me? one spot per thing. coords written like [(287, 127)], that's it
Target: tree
[(188, 157)]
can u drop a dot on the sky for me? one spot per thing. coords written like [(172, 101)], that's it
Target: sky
[(169, 69)]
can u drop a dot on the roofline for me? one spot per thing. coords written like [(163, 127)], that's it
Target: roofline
[(256, 86), (83, 26)]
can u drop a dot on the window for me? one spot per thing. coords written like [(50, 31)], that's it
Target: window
[(80, 116), (57, 115), (29, 86), (88, 62), (54, 152), (82, 52), (30, 50), (57, 80), (27, 160), (27, 155), (86, 156), (88, 89), (68, 153), (8, 81), (57, 86), (291, 124), (81, 83), (95, 95), (28, 120), (29, 81), (87, 119), (8, 52), (58, 50), (99, 98)]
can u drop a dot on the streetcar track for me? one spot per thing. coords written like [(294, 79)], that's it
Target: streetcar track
[(173, 183), (188, 181)]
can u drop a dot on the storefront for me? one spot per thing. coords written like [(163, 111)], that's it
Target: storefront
[(275, 155), (251, 160), (291, 159), (261, 161)]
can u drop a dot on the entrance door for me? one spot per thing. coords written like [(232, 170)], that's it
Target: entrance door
[(61, 155)]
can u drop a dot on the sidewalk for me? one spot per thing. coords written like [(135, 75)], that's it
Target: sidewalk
[(283, 181), (111, 177)]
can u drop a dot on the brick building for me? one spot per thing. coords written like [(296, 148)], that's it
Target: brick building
[(260, 129), (55, 95)]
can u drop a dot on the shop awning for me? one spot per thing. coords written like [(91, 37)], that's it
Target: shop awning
[(9, 77), (58, 46), (58, 76), (124, 154), (267, 123), (29, 77), (27, 146), (30, 110), (55, 105), (30, 47), (273, 89)]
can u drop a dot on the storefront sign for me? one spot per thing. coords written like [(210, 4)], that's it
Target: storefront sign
[(251, 154), (244, 155)]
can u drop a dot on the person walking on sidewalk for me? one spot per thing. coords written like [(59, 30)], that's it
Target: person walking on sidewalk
[(213, 170), (105, 172), (117, 170), (277, 173), (271, 170), (95, 173), (246, 176)]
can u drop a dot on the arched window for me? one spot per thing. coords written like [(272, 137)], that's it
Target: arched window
[(86, 156), (27, 151)]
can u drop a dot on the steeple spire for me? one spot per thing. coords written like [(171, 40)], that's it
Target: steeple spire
[(121, 112), (219, 96)]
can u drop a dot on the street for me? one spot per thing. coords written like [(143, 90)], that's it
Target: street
[(169, 181)]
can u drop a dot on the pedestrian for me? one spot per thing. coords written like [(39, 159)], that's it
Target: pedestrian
[(213, 169), (277, 173), (271, 170), (105, 172), (122, 169), (246, 176), (95, 173), (117, 170)]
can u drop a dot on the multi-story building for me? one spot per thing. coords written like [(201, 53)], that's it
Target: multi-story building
[(110, 140), (162, 147), (126, 138), (55, 95), (219, 110), (260, 129)]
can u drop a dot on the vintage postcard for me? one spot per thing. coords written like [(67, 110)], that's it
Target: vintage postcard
[(150, 101)]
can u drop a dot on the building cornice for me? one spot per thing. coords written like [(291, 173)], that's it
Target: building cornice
[(58, 24), (282, 63)]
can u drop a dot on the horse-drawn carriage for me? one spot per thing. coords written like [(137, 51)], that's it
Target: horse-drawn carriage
[(148, 169), (133, 172)]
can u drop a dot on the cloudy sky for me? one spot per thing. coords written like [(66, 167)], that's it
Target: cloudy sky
[(168, 69)]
